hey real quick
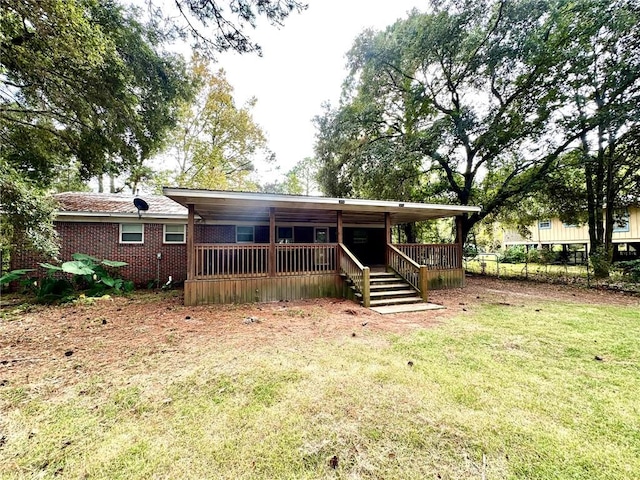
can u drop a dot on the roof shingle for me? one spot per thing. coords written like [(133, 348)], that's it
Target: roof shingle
[(88, 202)]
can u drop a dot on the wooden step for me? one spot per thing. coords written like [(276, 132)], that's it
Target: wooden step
[(393, 293), (389, 285), (395, 301), (385, 279)]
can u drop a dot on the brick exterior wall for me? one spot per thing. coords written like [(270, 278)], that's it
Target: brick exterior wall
[(102, 240), (215, 234)]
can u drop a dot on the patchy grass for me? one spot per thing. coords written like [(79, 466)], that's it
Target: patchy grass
[(546, 390)]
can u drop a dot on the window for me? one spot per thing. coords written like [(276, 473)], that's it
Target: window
[(544, 224), (621, 222), (569, 225), (285, 235), (131, 233), (244, 234), (175, 233)]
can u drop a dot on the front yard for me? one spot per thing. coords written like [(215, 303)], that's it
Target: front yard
[(513, 380)]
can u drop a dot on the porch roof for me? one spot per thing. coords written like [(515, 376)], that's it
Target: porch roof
[(242, 206)]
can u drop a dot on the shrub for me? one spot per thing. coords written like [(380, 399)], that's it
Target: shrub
[(630, 269), (514, 254), (600, 262), (533, 256)]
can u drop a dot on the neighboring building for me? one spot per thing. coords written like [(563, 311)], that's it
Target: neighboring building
[(233, 247), (574, 239)]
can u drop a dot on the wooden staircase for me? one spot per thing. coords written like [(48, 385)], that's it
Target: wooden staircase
[(389, 289)]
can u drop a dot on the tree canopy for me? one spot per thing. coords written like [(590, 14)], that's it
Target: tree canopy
[(215, 142), (87, 87), (217, 26), (467, 104)]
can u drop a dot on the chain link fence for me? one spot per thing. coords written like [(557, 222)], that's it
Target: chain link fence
[(490, 264)]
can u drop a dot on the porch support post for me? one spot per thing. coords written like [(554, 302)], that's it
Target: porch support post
[(191, 264), (387, 237), (387, 226), (459, 240), (272, 242), (339, 226)]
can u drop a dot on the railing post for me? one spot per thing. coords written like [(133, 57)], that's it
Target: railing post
[(424, 282), (272, 242), (191, 264), (366, 290)]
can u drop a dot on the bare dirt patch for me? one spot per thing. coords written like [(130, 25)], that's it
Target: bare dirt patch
[(64, 344)]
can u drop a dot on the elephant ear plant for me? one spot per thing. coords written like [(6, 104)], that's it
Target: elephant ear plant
[(92, 276)]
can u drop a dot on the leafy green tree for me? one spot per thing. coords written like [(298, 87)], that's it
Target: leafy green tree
[(600, 175), (81, 82), (604, 84), (26, 213), (306, 174), (215, 142), (462, 105)]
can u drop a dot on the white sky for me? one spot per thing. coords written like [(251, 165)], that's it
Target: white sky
[(303, 65)]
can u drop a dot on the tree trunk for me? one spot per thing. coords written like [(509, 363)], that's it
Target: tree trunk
[(410, 232)]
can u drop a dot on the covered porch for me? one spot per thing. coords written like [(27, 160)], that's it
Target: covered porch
[(248, 247)]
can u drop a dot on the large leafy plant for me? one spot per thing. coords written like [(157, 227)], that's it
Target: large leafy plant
[(92, 274)]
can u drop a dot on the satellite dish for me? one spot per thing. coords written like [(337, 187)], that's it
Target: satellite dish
[(141, 205)]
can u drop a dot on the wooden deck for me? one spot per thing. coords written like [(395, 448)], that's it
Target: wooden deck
[(236, 273)]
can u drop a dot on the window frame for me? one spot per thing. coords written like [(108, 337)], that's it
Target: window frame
[(184, 233), (544, 227), (134, 242), (253, 234), (280, 239), (626, 217)]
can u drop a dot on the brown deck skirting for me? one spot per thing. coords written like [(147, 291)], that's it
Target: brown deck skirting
[(263, 289)]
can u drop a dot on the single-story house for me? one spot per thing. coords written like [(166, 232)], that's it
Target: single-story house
[(242, 247)]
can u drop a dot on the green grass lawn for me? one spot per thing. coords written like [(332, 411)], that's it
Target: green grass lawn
[(521, 269), (501, 392)]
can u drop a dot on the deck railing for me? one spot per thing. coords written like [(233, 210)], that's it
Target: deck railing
[(224, 260), (305, 258), (437, 256), (218, 260), (408, 269), (356, 272)]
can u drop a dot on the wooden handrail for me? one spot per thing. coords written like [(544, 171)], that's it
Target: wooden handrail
[(404, 256), (436, 256), (407, 268), (305, 258), (230, 260), (356, 272), (351, 256)]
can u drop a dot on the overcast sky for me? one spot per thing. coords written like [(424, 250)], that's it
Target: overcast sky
[(303, 66)]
